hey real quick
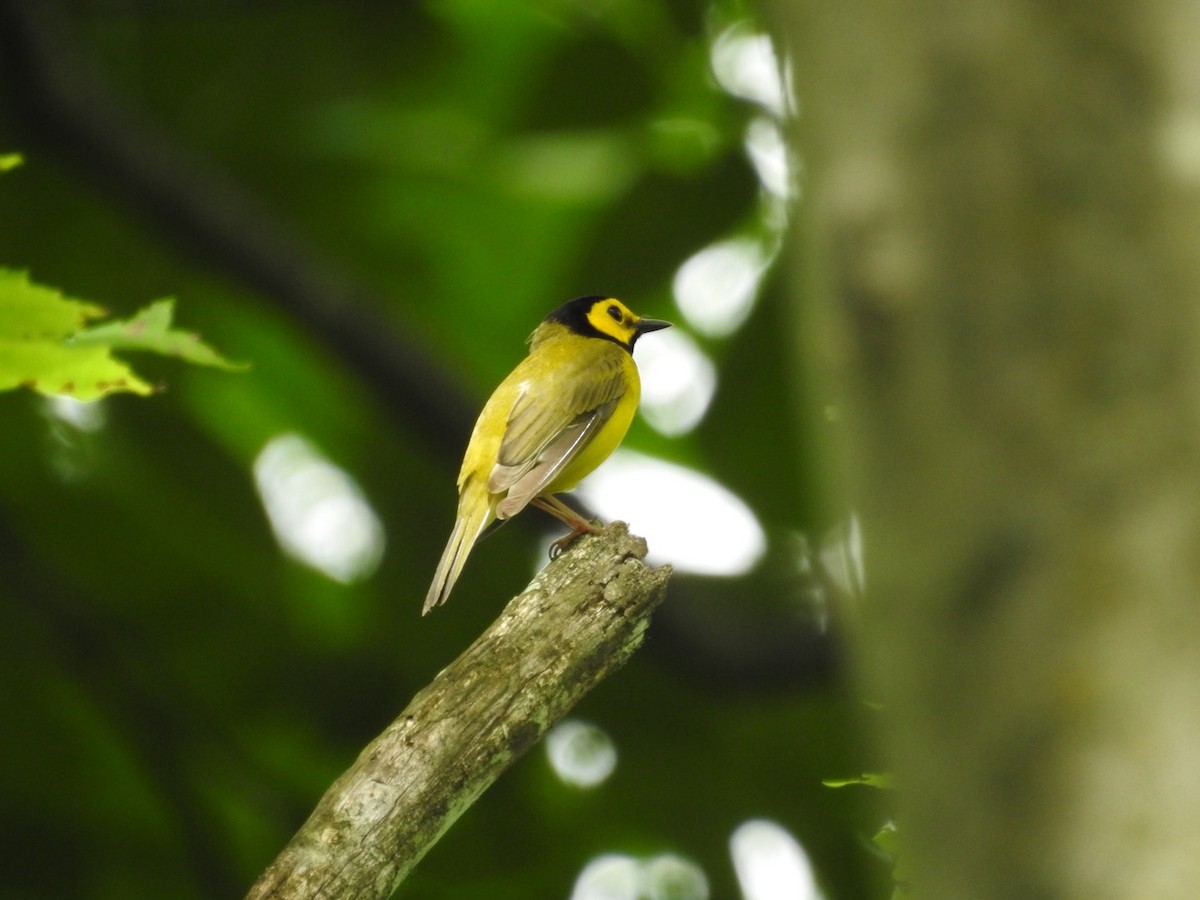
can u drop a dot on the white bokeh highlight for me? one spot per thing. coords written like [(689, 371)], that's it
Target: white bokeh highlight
[(678, 382), (618, 876), (715, 288), (613, 876), (770, 863), (86, 416), (768, 152), (580, 753), (745, 65), (688, 519), (318, 513)]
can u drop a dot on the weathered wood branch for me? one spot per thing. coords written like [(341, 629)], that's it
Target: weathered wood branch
[(577, 622)]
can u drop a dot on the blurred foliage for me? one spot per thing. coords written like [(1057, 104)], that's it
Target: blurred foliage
[(179, 690), (44, 346)]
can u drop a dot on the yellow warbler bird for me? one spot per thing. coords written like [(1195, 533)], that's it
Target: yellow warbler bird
[(554, 419)]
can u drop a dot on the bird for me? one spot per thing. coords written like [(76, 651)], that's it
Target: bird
[(556, 417)]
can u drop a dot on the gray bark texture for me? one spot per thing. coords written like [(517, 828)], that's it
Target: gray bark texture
[(578, 621), (1001, 243)]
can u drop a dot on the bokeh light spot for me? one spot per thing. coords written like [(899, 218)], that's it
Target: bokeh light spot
[(715, 288), (745, 65), (87, 416), (678, 382), (581, 754), (612, 876), (688, 519), (770, 863), (616, 876), (672, 877), (317, 511), (768, 152)]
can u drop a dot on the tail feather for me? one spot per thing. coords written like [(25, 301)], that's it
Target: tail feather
[(474, 515)]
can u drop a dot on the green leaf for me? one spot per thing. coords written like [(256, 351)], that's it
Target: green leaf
[(888, 840), (882, 780), (45, 346), (9, 161), (34, 324), (150, 329)]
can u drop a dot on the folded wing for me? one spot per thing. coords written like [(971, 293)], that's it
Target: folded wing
[(545, 432)]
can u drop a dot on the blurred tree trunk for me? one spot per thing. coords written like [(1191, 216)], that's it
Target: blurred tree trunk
[(1002, 238)]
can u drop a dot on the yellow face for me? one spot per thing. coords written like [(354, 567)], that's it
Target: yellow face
[(613, 318), (600, 317)]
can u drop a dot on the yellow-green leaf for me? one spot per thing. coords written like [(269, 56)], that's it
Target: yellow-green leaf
[(888, 840), (150, 329), (85, 373), (882, 780), (34, 312), (10, 161), (34, 324)]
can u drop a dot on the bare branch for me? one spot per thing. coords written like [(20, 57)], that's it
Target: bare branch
[(578, 621)]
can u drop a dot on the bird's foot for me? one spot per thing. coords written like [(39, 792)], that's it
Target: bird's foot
[(579, 528)]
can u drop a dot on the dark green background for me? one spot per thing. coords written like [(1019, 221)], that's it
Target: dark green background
[(176, 692)]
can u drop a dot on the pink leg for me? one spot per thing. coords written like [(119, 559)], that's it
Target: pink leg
[(579, 525)]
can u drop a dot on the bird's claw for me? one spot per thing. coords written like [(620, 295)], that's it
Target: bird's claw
[(558, 546)]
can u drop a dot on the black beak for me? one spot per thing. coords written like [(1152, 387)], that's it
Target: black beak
[(645, 325)]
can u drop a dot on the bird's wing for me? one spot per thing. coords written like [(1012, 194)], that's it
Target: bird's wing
[(546, 431)]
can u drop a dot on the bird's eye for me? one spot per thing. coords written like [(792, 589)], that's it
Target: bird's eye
[(615, 312)]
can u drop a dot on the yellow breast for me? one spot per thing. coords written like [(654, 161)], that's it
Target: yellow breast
[(609, 437)]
